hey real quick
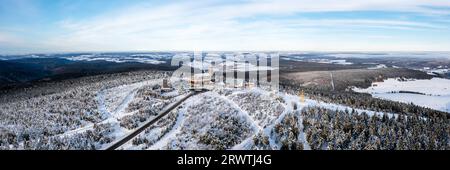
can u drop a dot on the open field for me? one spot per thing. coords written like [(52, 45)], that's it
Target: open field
[(343, 79)]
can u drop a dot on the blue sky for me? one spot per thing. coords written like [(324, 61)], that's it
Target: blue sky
[(29, 26)]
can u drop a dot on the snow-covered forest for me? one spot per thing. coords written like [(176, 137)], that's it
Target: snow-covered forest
[(92, 112), (75, 115)]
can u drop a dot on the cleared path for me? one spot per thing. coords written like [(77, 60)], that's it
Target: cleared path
[(116, 144)]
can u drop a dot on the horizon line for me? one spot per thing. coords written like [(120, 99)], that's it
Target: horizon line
[(242, 51)]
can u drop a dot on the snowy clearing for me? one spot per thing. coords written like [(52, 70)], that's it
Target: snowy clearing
[(433, 93)]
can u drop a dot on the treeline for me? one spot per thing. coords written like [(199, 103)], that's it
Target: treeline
[(333, 129)]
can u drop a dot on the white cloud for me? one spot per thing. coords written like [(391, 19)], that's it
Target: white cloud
[(10, 39), (208, 26)]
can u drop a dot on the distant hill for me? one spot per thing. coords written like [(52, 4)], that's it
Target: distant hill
[(16, 72), (23, 71)]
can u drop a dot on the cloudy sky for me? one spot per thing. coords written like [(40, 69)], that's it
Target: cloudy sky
[(28, 26)]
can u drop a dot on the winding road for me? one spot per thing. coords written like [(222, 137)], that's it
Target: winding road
[(116, 144)]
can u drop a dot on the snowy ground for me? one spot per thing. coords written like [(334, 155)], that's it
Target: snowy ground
[(435, 93), (379, 66), (142, 58), (223, 118), (203, 122), (125, 107), (327, 61)]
